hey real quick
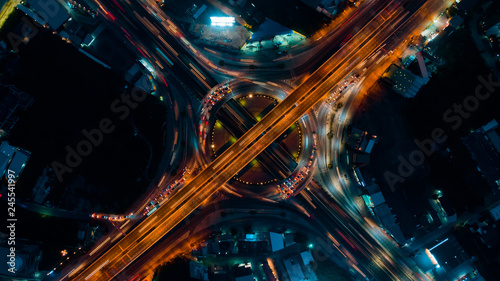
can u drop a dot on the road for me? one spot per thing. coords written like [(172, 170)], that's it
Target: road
[(381, 261), (153, 41), (152, 229)]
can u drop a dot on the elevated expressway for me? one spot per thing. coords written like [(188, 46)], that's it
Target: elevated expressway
[(151, 230)]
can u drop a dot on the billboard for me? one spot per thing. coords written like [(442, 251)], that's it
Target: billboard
[(222, 21)]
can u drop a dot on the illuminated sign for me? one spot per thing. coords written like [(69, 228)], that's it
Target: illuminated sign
[(222, 21)]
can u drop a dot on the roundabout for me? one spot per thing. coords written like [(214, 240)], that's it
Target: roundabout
[(232, 108)]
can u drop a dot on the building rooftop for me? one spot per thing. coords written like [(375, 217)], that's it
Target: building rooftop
[(495, 213), (494, 140), (7, 149), (467, 5), (55, 20), (4, 162), (493, 31), (307, 258), (19, 161), (448, 253), (377, 198), (388, 220), (268, 29), (485, 156), (245, 278), (276, 241), (294, 269), (404, 82), (492, 125), (456, 21)]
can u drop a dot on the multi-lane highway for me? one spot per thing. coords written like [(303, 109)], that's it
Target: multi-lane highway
[(152, 229), (150, 36), (384, 263)]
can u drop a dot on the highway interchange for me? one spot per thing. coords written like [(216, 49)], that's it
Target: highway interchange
[(372, 25)]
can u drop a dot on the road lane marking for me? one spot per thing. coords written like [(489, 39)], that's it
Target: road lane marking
[(74, 271), (98, 247), (97, 269), (116, 237), (151, 220), (123, 225), (222, 160)]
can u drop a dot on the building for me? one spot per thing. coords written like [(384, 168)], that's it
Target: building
[(355, 137), (50, 11), (243, 272), (493, 31), (12, 158), (404, 82), (240, 3), (326, 7), (3, 50), (495, 213), (27, 259), (12, 103), (360, 159), (138, 76), (360, 141), (73, 32), (456, 21), (421, 65), (268, 272), (494, 139), (380, 210), (484, 147), (198, 271), (369, 146), (32, 15), (298, 267), (85, 6), (277, 242), (447, 255), (200, 11), (268, 30), (19, 161)]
